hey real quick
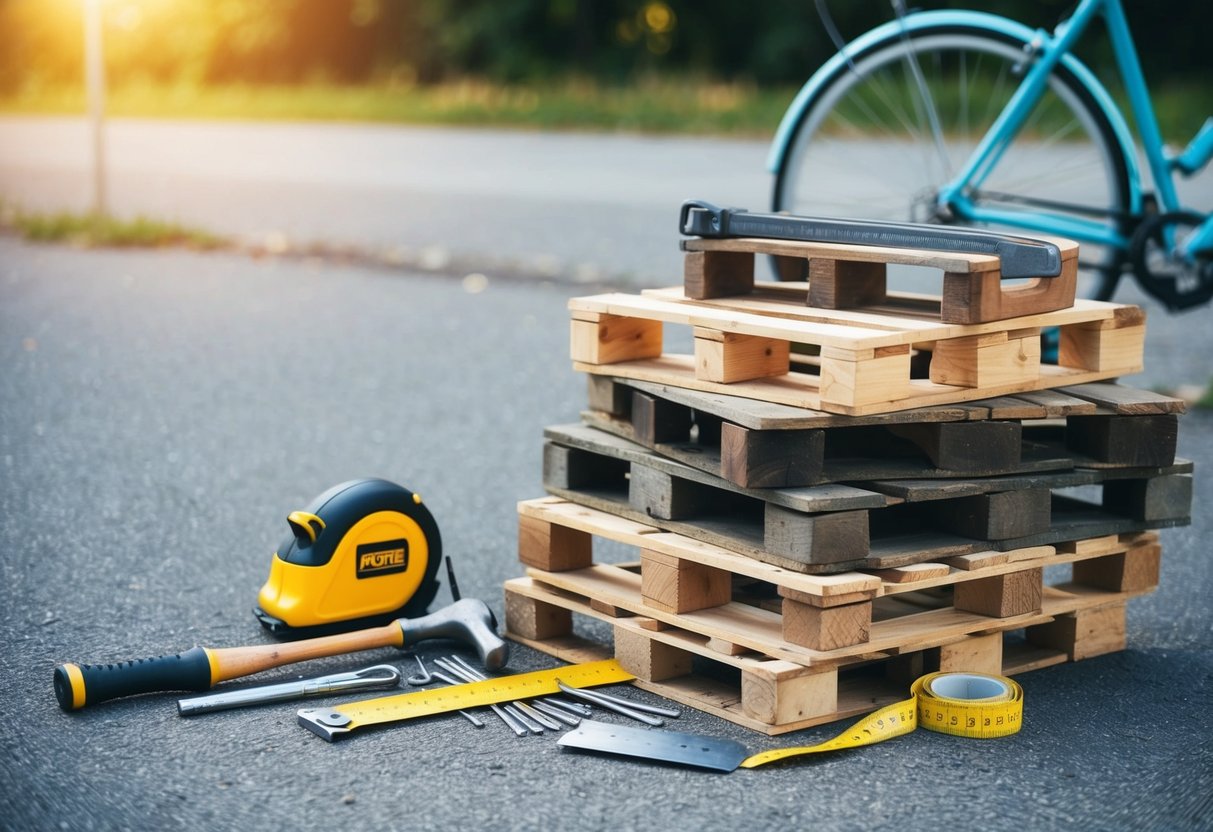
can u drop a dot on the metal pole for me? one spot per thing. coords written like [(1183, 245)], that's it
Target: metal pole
[(94, 77)]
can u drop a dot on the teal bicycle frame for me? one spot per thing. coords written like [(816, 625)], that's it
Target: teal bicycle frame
[(1044, 51), (1032, 87)]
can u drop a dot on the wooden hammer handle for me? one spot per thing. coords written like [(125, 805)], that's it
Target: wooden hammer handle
[(234, 662)]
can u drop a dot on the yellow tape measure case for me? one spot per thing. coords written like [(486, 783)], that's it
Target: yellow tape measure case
[(364, 552)]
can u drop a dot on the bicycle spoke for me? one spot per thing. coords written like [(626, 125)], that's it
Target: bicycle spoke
[(962, 112), (926, 102), (997, 100), (889, 100)]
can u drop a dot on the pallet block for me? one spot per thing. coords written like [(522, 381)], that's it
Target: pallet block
[(1102, 344), (551, 547), (831, 528), (823, 627), (728, 356), (1083, 634), (679, 585), (1002, 596), (1134, 570), (1125, 440), (846, 276), (864, 365), (770, 459)]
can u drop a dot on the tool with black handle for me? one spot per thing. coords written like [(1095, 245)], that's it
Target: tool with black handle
[(1018, 256), (469, 621)]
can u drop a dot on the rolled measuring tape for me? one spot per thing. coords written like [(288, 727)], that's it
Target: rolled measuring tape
[(962, 704)]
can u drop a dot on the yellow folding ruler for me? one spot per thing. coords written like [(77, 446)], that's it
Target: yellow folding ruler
[(330, 723), (961, 704)]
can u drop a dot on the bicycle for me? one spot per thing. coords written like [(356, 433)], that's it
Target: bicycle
[(967, 117)]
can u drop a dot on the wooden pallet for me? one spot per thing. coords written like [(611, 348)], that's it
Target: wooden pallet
[(761, 445), (774, 686), (848, 276), (744, 347), (775, 696), (834, 527), (810, 619)]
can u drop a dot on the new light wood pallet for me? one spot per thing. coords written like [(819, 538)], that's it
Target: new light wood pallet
[(845, 276), (834, 527), (762, 445), (681, 606), (744, 347)]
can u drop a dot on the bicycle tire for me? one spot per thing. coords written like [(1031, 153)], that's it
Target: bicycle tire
[(870, 182)]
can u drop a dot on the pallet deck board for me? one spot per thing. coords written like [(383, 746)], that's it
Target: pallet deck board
[(801, 390), (826, 327), (923, 490), (764, 415), (1128, 401)]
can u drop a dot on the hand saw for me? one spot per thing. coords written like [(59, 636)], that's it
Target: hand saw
[(1018, 256)]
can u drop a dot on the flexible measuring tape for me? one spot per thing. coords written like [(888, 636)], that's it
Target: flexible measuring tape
[(961, 704), (328, 723)]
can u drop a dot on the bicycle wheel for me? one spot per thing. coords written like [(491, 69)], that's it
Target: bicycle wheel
[(866, 146)]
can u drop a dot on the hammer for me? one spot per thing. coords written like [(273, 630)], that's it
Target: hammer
[(200, 668)]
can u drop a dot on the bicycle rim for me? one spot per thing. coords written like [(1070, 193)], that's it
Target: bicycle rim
[(870, 146)]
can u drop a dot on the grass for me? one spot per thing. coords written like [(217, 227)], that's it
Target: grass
[(655, 106), (1205, 402), (100, 230)]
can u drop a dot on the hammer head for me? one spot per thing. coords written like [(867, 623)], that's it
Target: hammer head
[(469, 621)]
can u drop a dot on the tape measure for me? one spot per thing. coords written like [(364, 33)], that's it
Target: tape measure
[(961, 704), (329, 723)]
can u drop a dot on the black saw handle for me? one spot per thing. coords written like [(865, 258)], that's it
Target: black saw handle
[(77, 685)]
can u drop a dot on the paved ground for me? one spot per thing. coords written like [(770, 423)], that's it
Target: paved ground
[(161, 413), (572, 205)]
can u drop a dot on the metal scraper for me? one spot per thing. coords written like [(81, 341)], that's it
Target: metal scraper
[(649, 744)]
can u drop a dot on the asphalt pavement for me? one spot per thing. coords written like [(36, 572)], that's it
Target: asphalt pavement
[(575, 206), (161, 413)]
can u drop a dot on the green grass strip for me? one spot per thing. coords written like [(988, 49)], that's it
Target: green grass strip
[(99, 230), (666, 105), (1205, 402)]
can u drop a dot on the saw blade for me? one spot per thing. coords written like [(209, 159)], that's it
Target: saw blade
[(664, 746)]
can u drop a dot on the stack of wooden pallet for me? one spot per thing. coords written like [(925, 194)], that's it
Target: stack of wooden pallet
[(843, 487)]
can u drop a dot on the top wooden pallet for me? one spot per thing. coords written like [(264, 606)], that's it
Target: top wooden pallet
[(863, 362), (849, 276)]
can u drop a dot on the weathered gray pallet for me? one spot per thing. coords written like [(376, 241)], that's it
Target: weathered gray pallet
[(759, 444), (836, 527)]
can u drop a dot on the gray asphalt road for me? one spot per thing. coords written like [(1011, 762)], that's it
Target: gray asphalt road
[(160, 413), (569, 204)]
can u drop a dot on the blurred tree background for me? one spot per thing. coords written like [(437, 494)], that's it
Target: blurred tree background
[(408, 44)]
